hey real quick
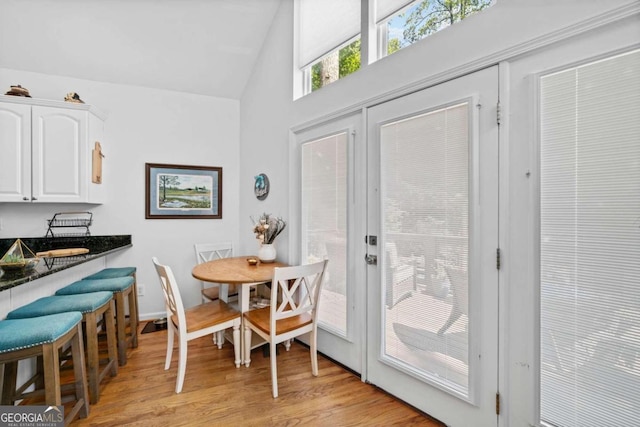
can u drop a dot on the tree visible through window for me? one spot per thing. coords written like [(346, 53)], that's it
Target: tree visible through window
[(426, 17), (336, 65)]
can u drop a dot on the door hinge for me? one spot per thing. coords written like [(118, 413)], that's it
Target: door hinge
[(498, 256), (498, 116), (498, 403)]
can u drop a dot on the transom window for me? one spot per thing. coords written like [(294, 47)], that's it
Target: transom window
[(415, 20), (329, 32)]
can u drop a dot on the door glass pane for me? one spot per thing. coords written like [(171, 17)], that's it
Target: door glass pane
[(425, 193), (324, 223), (590, 244)]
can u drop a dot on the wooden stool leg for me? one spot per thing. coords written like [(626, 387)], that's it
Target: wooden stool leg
[(112, 346), (121, 327), (9, 383), (133, 317), (51, 360), (93, 358), (80, 377), (135, 293)]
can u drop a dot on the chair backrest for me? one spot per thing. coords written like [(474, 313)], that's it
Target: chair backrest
[(172, 299), (392, 254), (459, 280), (210, 251), (296, 290)]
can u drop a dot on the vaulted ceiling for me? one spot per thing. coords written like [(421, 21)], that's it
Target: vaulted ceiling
[(198, 46)]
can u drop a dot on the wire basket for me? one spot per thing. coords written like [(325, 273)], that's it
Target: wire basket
[(70, 224)]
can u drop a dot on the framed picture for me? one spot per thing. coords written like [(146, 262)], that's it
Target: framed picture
[(187, 192)]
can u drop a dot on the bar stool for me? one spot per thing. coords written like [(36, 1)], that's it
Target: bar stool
[(121, 287), (44, 337), (113, 272), (93, 306)]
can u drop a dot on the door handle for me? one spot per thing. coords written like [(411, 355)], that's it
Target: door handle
[(371, 259)]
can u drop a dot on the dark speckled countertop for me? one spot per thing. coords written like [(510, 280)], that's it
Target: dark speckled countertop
[(98, 246)]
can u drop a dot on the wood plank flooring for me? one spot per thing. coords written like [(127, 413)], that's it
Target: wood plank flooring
[(216, 393)]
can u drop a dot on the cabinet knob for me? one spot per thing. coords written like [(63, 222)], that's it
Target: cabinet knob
[(25, 198), (34, 198)]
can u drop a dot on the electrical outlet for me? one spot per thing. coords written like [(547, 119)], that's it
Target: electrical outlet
[(140, 289)]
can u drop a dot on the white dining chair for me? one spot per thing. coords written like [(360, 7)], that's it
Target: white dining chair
[(195, 322), (295, 293), (208, 252)]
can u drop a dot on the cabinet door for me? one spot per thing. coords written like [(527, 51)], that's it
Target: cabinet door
[(15, 152), (59, 156)]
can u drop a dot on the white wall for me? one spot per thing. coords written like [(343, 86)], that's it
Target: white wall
[(268, 111), (144, 125)]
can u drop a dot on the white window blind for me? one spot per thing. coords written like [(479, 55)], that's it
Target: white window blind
[(590, 244), (385, 8), (324, 222), (324, 26), (425, 217)]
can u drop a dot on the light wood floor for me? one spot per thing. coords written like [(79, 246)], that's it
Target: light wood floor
[(215, 393)]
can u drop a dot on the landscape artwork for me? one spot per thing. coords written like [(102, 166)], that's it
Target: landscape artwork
[(187, 192)]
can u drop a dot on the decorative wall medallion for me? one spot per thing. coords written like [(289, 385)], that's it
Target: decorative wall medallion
[(261, 186)]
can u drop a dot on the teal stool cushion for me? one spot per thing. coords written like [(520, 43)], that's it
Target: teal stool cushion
[(84, 303), (118, 284), (110, 273), (17, 334)]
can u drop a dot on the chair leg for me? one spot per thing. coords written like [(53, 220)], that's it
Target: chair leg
[(236, 344), (220, 339), (274, 369), (314, 354), (170, 335), (182, 363)]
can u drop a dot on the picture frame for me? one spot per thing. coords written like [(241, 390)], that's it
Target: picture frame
[(182, 191)]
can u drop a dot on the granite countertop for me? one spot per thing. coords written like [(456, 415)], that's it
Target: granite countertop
[(98, 246)]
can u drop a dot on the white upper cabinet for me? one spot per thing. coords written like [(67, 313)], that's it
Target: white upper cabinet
[(47, 152), (15, 153)]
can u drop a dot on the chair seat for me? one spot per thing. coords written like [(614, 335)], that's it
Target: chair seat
[(84, 303), (111, 273), (116, 284), (206, 315), (260, 318), (43, 338), (17, 334)]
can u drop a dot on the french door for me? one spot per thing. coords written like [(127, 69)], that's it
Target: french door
[(432, 297), (332, 183)]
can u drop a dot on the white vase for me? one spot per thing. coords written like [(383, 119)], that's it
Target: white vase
[(267, 252)]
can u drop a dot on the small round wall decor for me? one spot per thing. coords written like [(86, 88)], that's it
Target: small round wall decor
[(261, 186)]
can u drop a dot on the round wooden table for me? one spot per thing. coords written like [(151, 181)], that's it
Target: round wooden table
[(237, 271)]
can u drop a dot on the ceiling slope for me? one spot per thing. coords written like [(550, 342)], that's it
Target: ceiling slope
[(207, 47)]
